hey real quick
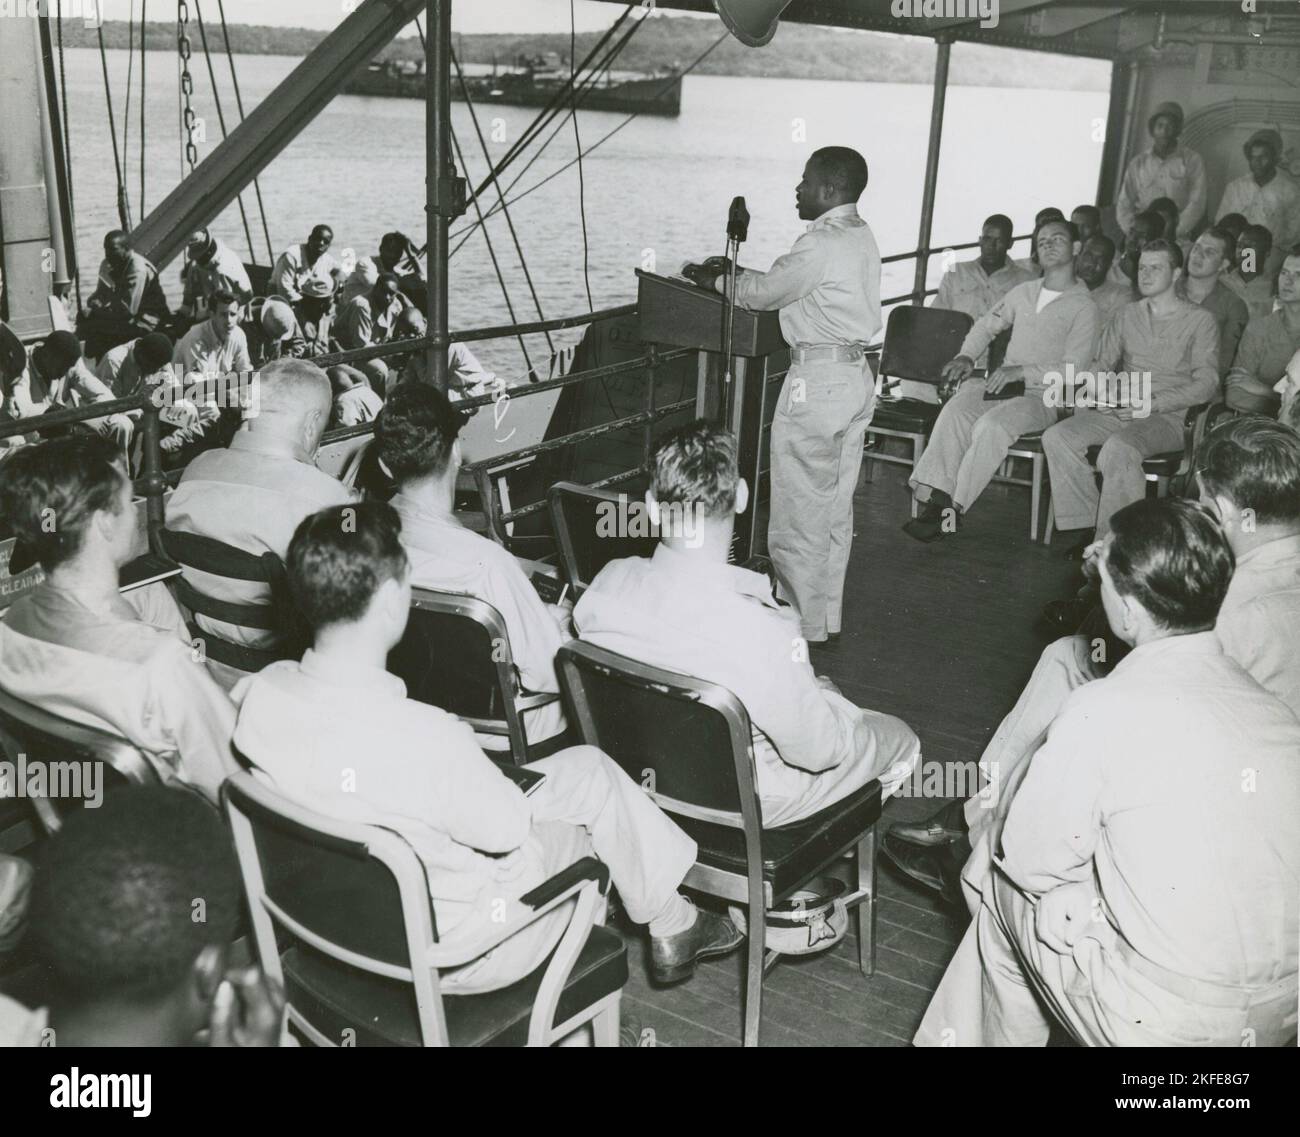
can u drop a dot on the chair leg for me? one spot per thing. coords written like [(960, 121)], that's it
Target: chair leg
[(866, 861), (1035, 495), (605, 1025), (754, 951)]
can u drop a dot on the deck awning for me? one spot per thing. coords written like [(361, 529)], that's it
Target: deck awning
[(1104, 31)]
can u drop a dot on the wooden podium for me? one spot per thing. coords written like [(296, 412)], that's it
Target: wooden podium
[(676, 313)]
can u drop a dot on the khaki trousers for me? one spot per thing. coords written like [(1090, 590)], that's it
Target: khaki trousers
[(586, 806), (971, 438), (990, 994), (1075, 498), (817, 435)]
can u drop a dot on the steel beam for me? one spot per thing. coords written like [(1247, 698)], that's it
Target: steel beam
[(270, 127), (940, 94)]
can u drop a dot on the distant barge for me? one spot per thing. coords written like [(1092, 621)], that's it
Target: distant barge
[(531, 83)]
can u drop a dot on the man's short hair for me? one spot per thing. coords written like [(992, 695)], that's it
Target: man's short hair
[(1071, 230), (338, 559), (1225, 238), (113, 907), (112, 235), (388, 278), (415, 432), (292, 385), (62, 349), (318, 229), (152, 352), (1106, 244), (696, 465), (1254, 462), (1001, 222), (1152, 221), (1169, 248), (221, 297), (1235, 223), (49, 492), (1164, 206), (1091, 212), (1257, 236), (842, 167), (1048, 213), (1171, 556)]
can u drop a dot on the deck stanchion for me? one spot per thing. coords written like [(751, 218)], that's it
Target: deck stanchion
[(944, 45), (154, 483)]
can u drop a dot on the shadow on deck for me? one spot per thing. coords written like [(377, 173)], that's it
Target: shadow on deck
[(941, 635)]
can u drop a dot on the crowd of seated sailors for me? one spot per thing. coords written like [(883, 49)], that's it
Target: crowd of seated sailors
[(224, 327), (1133, 870)]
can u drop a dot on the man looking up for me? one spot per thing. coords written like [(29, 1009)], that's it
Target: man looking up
[(1053, 325), (1213, 251)]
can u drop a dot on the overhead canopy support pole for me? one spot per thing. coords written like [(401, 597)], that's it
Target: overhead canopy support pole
[(1123, 92), (439, 172), (270, 127), (944, 46)]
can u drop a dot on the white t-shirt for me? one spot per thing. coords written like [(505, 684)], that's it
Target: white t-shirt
[(1045, 297)]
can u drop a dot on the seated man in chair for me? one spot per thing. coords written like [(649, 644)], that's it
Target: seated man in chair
[(1146, 895), (687, 610), (1249, 476), (253, 493), (1054, 324), (337, 734), (76, 647), (416, 444)]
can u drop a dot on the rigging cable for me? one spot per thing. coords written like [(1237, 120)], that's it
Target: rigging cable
[(123, 208), (577, 139), (514, 236), (221, 120), (465, 233), (239, 104), (538, 125), (144, 54), (67, 141), (130, 68)]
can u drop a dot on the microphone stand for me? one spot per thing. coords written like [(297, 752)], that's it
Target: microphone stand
[(737, 231)]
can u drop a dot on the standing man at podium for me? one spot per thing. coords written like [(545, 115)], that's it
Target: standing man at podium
[(827, 289)]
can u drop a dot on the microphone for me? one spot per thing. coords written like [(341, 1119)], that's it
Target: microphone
[(737, 220)]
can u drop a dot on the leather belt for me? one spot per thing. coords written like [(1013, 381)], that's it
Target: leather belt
[(830, 352)]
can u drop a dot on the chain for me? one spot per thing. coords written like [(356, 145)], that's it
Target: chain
[(190, 121)]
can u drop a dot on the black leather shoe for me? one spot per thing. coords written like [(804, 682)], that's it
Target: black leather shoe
[(673, 958), (938, 869), (945, 827), (924, 529)]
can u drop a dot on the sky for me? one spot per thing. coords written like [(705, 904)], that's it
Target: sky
[(467, 16)]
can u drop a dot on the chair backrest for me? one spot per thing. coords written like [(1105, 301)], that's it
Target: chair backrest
[(356, 893), (688, 742), (919, 341), (216, 558), (589, 526), (455, 654), (67, 754)]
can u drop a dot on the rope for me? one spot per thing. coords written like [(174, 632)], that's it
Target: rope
[(130, 66), (221, 119), (239, 104), (67, 137), (577, 140), (123, 210), (144, 54)]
